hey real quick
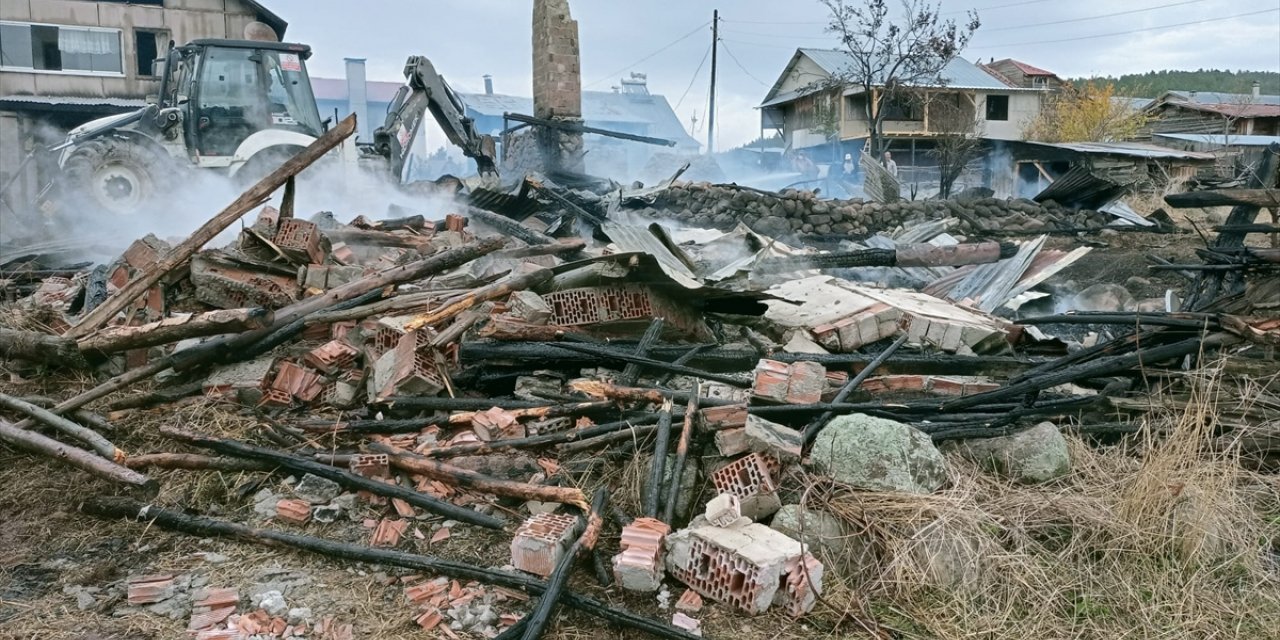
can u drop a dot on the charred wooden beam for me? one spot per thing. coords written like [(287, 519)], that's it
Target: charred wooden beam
[(682, 455), (534, 442), (651, 335), (613, 354), (450, 474), (917, 255), (116, 508), (341, 476), (1225, 198), (1186, 320), (195, 462), (658, 465)]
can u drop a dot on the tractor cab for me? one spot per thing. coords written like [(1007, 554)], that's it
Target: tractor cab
[(228, 90)]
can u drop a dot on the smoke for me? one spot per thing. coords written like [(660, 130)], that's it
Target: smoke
[(196, 195)]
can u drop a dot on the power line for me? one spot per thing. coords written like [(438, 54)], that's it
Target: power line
[(1123, 33), (693, 79), (944, 13), (668, 46), (1095, 17), (744, 69), (829, 38)]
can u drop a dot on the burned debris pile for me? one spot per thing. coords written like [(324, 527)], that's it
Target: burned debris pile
[(433, 374), (802, 212)]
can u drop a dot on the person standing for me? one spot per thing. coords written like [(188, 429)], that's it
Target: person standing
[(890, 165)]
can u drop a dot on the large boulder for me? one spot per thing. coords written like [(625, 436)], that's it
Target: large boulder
[(879, 455), (812, 527), (1036, 455)]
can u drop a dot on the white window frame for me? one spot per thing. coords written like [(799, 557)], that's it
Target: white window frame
[(74, 72)]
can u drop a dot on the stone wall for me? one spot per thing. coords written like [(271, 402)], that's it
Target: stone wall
[(801, 212)]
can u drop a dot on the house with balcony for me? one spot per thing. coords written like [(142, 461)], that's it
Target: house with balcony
[(66, 62), (827, 123)]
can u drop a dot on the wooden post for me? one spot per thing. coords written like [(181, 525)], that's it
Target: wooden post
[(98, 466), (181, 253)]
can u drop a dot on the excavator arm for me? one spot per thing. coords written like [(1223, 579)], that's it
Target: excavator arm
[(427, 90)]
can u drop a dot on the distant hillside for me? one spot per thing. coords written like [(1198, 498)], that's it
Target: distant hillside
[(1153, 83)]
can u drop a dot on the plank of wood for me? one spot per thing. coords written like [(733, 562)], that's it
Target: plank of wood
[(1225, 198), (183, 252)]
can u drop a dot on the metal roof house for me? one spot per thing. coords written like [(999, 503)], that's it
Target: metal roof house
[(630, 110), (1000, 111), (1216, 113)]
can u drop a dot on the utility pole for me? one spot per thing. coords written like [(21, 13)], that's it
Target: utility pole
[(711, 109)]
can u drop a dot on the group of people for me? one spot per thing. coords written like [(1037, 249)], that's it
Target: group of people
[(806, 167)]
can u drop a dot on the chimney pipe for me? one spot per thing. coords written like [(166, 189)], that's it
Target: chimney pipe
[(1257, 89), (358, 97), (488, 84)]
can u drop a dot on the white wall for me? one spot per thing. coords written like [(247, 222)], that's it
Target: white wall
[(1024, 106)]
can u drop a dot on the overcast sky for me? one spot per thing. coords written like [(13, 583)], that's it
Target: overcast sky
[(667, 39)]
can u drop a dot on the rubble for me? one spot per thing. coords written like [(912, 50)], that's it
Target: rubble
[(435, 382)]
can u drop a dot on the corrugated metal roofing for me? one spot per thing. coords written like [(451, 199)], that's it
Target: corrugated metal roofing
[(1135, 104), (1219, 139), (958, 74), (599, 108), (1213, 97), (1233, 109), (124, 103), (1130, 149)]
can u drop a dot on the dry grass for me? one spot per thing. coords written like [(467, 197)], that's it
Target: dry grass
[(1167, 539)]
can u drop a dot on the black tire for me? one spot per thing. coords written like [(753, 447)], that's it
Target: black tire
[(116, 175)]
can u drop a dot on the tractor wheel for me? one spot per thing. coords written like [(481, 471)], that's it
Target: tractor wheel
[(117, 175)]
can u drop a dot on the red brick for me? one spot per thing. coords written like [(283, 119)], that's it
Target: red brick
[(297, 511), (332, 356), (540, 542), (371, 465)]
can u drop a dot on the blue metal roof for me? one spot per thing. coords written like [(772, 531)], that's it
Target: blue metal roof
[(599, 108)]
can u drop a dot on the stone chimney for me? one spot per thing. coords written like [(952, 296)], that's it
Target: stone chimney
[(358, 98), (1257, 89), (488, 84), (557, 83)]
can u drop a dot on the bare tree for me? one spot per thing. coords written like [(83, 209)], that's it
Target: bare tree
[(959, 137), (888, 55)]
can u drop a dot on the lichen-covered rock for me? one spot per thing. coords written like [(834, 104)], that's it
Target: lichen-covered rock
[(1036, 455), (878, 454), (810, 526)]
